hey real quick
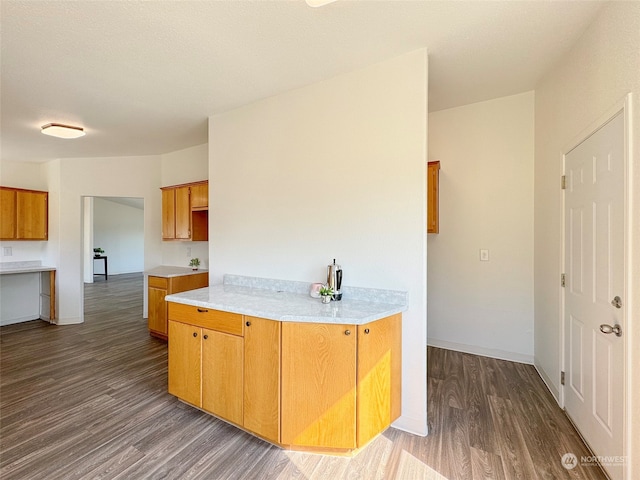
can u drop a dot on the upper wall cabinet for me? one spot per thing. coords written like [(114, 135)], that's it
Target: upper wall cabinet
[(433, 180), (24, 214), (185, 212)]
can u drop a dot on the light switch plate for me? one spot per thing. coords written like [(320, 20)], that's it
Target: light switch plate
[(484, 255)]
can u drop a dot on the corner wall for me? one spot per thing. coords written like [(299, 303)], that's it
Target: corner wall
[(596, 75), (333, 170), (486, 202)]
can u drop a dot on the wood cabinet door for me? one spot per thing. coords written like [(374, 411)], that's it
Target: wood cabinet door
[(157, 310), (200, 195), (262, 377), (168, 214), (378, 376), (222, 374), (7, 214), (185, 357), (183, 213), (31, 215), (319, 385), (433, 194)]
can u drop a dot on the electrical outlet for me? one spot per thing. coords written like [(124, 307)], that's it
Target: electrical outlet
[(484, 255), (6, 251)]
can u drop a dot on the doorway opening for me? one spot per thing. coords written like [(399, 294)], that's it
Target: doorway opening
[(112, 249)]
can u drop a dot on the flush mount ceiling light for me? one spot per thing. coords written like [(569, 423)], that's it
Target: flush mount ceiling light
[(62, 131), (318, 3)]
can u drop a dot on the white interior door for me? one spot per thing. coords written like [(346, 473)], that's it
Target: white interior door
[(594, 266)]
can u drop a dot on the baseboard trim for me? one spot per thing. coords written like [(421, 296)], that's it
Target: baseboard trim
[(408, 424), (482, 351), (13, 321), (548, 383), (68, 321)]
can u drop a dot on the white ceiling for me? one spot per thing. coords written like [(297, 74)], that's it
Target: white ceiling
[(143, 76)]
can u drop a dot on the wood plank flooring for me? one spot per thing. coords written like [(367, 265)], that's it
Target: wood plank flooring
[(90, 401)]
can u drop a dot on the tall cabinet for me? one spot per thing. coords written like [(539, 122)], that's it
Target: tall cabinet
[(433, 194)]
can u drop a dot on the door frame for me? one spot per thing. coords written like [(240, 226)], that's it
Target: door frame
[(622, 106)]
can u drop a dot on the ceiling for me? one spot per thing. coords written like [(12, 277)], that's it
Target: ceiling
[(142, 77)]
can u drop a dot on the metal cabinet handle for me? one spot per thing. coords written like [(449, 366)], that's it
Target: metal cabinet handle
[(205, 337), (347, 332), (202, 310), (617, 329), (248, 324), (366, 331), (195, 334)]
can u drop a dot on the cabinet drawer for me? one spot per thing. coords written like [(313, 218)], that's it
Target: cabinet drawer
[(207, 318), (158, 282)]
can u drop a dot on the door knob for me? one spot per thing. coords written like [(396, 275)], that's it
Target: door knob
[(617, 329), (616, 302)]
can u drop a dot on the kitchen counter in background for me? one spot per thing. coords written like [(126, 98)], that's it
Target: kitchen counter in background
[(34, 266), (289, 301), (165, 280), (168, 271)]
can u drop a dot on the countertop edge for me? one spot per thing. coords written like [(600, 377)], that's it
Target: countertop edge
[(386, 310), (166, 272), (9, 271)]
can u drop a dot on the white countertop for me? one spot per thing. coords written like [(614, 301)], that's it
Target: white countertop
[(7, 268), (168, 271), (286, 306)]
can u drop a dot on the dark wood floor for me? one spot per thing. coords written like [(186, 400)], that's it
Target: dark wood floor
[(89, 401)]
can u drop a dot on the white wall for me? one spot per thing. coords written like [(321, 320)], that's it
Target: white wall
[(486, 202), (119, 230), (185, 166), (596, 75), (333, 170)]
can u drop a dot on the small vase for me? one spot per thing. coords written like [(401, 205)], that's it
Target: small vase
[(326, 299)]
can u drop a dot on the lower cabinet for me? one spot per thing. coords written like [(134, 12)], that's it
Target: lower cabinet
[(185, 362), (206, 369), (341, 384), (222, 378), (319, 385), (262, 377), (379, 373), (324, 387)]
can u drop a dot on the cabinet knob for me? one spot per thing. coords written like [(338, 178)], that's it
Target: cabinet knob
[(347, 332), (205, 337), (248, 323), (195, 334), (366, 331)]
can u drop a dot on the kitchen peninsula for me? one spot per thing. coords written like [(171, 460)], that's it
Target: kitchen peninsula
[(265, 356)]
